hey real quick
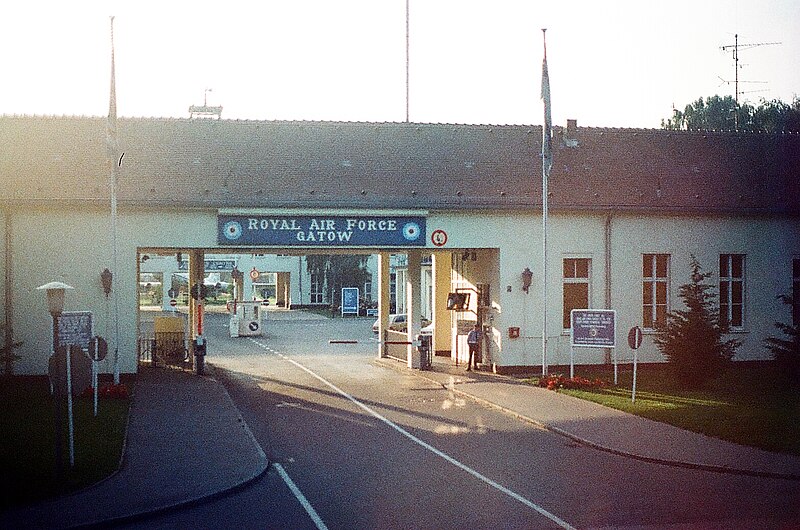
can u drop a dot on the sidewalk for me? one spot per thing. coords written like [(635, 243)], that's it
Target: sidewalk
[(605, 428), (186, 441)]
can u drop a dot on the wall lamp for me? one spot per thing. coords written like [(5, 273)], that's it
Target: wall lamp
[(106, 278), (527, 277)]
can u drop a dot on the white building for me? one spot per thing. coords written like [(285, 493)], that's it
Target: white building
[(627, 210)]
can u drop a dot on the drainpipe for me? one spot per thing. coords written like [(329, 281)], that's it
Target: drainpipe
[(8, 301), (607, 250)]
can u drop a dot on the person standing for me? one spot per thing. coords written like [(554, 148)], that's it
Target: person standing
[(473, 341)]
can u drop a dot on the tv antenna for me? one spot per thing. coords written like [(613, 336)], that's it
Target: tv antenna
[(735, 47)]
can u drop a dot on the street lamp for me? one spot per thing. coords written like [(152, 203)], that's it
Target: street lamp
[(55, 304)]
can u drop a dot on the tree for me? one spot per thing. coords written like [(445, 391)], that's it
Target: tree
[(7, 356), (692, 339), (721, 114), (338, 270), (786, 352)]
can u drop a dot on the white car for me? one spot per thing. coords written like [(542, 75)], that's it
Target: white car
[(396, 323)]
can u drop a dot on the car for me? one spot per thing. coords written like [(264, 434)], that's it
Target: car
[(398, 323)]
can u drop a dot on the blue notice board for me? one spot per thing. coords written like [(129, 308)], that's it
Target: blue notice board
[(349, 301), (593, 328)]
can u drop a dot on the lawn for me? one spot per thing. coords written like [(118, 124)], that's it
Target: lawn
[(746, 404), (27, 448)]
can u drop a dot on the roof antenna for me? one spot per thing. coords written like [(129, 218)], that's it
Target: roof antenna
[(735, 48)]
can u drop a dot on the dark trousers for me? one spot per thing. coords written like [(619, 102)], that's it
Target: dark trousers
[(473, 354)]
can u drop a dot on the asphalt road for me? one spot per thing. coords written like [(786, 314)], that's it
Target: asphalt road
[(356, 445)]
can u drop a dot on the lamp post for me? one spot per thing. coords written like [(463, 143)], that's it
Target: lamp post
[(55, 292), (55, 304)]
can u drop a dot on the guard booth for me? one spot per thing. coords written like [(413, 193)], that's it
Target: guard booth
[(169, 340), (246, 318)]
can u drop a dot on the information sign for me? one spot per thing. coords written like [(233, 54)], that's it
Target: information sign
[(593, 328), (75, 329), (349, 301)]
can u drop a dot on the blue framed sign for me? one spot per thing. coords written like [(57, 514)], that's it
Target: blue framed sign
[(594, 328), (321, 231), (349, 301)]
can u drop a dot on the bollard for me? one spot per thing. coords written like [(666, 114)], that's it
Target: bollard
[(200, 355)]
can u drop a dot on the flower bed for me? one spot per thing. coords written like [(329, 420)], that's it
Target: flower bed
[(559, 381)]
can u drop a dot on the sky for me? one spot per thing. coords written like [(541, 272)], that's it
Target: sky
[(611, 63)]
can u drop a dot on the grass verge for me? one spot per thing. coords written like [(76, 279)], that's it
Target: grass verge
[(746, 404), (27, 441)]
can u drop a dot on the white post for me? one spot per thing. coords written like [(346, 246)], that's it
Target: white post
[(571, 361), (633, 390), (413, 306), (615, 366), (94, 384), (70, 423)]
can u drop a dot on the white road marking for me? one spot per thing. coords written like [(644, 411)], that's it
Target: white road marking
[(302, 498), (530, 504)]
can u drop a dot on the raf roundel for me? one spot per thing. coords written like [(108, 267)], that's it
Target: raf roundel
[(411, 231), (232, 230)]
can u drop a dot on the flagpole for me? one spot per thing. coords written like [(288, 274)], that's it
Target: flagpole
[(113, 151), (547, 162)]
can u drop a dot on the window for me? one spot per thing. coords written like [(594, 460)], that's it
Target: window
[(316, 288), (795, 292), (731, 290), (368, 292), (576, 286), (655, 289)]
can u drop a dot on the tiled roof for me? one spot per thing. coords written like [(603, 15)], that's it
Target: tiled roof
[(226, 163)]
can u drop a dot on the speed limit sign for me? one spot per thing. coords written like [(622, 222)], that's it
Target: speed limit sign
[(439, 238)]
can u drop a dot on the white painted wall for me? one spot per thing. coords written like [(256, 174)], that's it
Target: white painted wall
[(73, 245)]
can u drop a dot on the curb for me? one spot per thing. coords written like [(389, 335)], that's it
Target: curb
[(598, 446), (195, 501)]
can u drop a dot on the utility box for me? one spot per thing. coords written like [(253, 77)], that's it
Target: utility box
[(247, 318)]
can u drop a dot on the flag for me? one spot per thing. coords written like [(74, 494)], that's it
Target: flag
[(547, 135), (111, 131)]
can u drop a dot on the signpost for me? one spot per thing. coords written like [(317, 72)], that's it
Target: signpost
[(634, 341), (98, 349), (75, 328), (592, 328), (349, 301)]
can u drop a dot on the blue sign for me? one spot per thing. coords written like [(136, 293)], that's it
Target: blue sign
[(593, 328), (349, 301), (321, 231)]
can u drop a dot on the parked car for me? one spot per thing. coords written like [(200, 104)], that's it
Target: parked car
[(398, 323)]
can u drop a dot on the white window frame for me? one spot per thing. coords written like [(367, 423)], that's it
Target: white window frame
[(317, 289), (654, 280), (576, 280), (731, 280)]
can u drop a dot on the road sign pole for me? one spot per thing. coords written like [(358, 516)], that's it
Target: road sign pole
[(571, 361), (70, 422), (634, 341), (633, 389)]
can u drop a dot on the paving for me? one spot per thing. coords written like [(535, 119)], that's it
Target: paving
[(187, 442), (605, 428)]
